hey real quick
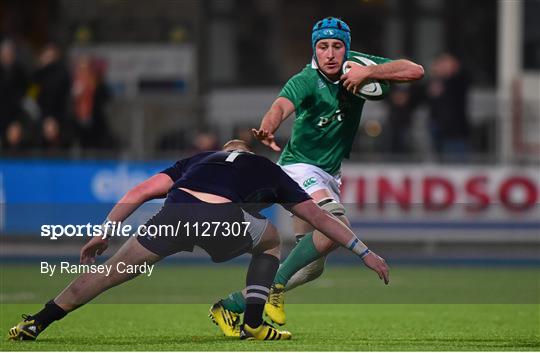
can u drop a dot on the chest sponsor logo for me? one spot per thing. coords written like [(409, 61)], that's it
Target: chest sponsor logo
[(338, 115)]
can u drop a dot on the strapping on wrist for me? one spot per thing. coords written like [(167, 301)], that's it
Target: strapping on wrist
[(356, 246)]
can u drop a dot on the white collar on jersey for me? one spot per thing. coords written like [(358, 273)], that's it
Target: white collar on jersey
[(316, 67)]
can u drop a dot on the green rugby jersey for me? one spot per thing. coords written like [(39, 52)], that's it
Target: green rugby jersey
[(327, 118)]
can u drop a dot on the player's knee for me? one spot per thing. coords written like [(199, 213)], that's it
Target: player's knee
[(273, 247), (275, 251), (269, 242), (322, 243), (271, 236), (301, 227), (337, 209)]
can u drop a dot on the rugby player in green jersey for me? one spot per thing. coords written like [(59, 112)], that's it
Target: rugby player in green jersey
[(327, 117)]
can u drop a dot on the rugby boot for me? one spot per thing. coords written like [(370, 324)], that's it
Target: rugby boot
[(227, 321), (26, 330), (275, 306), (265, 332)]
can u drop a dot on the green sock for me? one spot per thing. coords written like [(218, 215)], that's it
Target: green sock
[(235, 302), (302, 255)]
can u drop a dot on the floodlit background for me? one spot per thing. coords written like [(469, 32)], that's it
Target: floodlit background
[(96, 96)]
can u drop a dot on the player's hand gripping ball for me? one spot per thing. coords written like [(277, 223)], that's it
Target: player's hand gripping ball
[(371, 89)]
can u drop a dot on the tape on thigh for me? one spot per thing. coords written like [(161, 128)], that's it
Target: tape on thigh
[(332, 206)]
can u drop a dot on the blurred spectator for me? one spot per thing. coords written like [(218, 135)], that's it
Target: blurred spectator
[(13, 85), (50, 89), (447, 95), (16, 137), (205, 141), (90, 97), (52, 137), (402, 102)]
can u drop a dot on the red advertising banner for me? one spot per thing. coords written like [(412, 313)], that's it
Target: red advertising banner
[(396, 197)]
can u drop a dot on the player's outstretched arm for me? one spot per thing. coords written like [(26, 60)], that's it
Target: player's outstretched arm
[(280, 110), (330, 226), (154, 187), (401, 70)]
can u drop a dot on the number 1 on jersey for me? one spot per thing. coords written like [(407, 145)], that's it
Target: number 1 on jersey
[(232, 156)]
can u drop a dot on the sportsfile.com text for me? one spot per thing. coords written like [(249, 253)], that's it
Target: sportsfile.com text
[(111, 229)]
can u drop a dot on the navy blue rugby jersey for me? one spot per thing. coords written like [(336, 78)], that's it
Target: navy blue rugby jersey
[(240, 176)]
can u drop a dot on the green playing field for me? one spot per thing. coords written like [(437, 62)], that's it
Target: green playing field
[(436, 309)]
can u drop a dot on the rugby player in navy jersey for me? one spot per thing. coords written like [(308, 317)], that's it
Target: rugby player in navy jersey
[(220, 188)]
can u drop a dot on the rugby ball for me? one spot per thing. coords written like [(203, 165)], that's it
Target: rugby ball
[(372, 89)]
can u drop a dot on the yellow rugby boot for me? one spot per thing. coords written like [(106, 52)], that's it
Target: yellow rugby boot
[(264, 332), (227, 321), (275, 306), (26, 330)]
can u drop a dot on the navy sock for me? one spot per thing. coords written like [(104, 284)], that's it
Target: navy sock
[(50, 313), (261, 272)]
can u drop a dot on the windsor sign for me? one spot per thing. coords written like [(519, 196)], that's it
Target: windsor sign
[(439, 190)]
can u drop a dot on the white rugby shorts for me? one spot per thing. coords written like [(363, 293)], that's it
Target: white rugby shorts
[(312, 178)]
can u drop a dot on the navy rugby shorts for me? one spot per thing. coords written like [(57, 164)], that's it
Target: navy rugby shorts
[(224, 230)]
